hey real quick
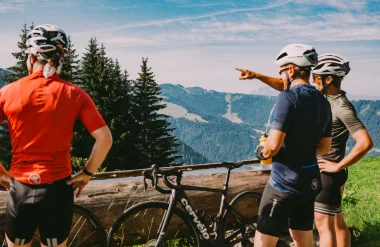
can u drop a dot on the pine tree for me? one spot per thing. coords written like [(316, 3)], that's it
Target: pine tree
[(154, 142), (82, 141), (70, 66), (110, 89), (19, 70), (123, 153)]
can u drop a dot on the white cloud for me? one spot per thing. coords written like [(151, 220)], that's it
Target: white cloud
[(207, 4), (337, 4), (11, 7), (121, 41), (115, 7), (185, 18)]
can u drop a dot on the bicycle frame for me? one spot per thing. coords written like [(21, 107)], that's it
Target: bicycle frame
[(179, 196)]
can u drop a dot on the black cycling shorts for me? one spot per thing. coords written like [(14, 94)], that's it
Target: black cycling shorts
[(329, 200), (281, 210), (48, 207)]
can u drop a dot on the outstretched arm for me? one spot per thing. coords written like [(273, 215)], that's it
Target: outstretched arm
[(273, 82)]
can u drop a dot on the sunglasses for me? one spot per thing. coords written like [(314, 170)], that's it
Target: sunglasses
[(283, 69), (315, 77)]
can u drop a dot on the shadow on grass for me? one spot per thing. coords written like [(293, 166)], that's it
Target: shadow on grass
[(369, 236)]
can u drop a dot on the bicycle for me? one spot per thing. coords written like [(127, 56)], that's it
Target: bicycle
[(86, 230), (186, 226)]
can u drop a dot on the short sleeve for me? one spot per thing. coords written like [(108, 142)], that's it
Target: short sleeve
[(327, 132), (283, 113), (347, 114), (89, 114)]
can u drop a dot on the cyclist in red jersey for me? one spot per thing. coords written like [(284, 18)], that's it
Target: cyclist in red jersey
[(41, 110)]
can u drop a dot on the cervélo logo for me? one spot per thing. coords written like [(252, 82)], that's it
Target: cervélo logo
[(202, 228)]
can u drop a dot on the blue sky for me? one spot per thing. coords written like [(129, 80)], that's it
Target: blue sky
[(199, 42)]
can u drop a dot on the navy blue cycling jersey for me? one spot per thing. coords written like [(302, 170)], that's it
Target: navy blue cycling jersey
[(305, 116)]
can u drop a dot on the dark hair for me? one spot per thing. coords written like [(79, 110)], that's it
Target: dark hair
[(304, 72), (54, 57), (337, 80)]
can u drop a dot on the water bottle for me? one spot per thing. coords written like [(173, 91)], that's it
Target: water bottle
[(263, 139)]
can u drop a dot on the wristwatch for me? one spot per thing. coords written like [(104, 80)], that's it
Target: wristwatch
[(85, 171)]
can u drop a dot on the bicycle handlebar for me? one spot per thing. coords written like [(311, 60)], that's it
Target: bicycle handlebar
[(232, 165), (164, 173)]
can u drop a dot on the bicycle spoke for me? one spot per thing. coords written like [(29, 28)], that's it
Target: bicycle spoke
[(77, 232)]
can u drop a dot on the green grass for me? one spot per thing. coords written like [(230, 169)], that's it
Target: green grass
[(361, 202)]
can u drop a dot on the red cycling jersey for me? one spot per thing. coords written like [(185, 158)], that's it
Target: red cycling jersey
[(41, 113)]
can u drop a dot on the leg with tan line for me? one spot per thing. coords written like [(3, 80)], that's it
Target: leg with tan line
[(264, 240), (302, 238), (326, 229), (343, 235)]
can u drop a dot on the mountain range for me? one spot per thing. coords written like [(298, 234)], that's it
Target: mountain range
[(3, 72), (227, 126)]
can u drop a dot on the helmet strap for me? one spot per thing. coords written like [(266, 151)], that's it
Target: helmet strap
[(290, 80)]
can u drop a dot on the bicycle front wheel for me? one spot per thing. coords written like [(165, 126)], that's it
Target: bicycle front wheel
[(240, 220), (139, 226)]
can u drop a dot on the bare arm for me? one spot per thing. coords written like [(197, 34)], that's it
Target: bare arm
[(362, 146), (324, 146), (273, 82), (273, 143), (103, 143)]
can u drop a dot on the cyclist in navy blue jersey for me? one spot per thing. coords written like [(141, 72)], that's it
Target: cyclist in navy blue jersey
[(301, 130)]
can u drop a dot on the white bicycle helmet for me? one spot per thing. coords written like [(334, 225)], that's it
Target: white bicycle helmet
[(332, 64), (45, 38), (298, 54)]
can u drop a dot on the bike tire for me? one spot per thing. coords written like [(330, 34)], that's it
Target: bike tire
[(237, 229), (98, 233), (93, 234), (133, 218)]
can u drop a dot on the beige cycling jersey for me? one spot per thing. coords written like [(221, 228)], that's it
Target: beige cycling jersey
[(344, 122)]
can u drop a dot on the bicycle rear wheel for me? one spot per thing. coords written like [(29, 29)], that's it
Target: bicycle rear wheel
[(240, 220), (139, 226), (86, 230)]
